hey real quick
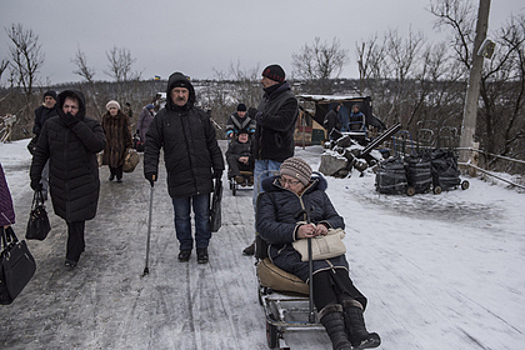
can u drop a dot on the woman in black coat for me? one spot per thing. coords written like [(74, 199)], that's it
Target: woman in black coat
[(71, 141), (294, 206)]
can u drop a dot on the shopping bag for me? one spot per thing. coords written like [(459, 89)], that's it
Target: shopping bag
[(17, 266), (38, 225), (215, 210), (131, 160)]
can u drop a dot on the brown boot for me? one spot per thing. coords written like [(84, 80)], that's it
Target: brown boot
[(239, 179), (331, 317)]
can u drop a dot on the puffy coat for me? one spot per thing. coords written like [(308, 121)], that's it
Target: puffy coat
[(7, 212), (73, 168), (190, 146), (276, 116), (236, 124), (118, 138), (277, 223)]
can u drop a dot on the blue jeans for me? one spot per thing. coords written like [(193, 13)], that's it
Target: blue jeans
[(261, 166), (201, 211)]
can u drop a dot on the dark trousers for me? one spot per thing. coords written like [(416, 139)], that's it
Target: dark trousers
[(235, 167), (333, 288), (75, 240), (117, 172)]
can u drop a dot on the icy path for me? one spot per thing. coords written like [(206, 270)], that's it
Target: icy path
[(440, 272)]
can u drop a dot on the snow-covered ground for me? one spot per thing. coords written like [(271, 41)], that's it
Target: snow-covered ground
[(440, 271)]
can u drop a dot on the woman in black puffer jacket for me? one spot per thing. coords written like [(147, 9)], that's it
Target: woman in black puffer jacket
[(339, 302), (71, 141)]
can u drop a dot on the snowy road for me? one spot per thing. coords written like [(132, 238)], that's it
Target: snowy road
[(440, 272)]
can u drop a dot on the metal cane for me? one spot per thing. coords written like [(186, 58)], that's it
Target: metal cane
[(146, 269)]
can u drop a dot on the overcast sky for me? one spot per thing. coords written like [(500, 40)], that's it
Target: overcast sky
[(199, 37)]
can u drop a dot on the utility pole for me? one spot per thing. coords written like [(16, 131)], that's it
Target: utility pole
[(468, 126)]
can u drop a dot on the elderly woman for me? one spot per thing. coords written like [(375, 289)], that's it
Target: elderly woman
[(281, 220), (118, 139)]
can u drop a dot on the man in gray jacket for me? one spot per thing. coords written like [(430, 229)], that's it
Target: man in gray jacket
[(193, 159)]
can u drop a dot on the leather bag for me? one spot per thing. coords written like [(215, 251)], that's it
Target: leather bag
[(131, 160), (38, 225), (323, 247), (17, 266)]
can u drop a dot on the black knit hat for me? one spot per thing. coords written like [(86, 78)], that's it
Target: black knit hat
[(51, 93), (274, 72), (241, 107)]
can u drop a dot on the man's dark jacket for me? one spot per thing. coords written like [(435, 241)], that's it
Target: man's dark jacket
[(73, 168), (42, 114), (276, 117), (190, 145)]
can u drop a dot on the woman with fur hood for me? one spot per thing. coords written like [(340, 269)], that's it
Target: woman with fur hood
[(118, 139)]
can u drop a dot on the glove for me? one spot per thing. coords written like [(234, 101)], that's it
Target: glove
[(70, 120), (36, 185), (217, 174), (259, 117), (151, 177)]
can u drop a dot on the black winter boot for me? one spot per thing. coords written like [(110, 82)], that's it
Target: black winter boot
[(331, 317), (355, 326)]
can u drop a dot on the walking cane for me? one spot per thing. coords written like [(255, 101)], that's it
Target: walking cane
[(146, 269)]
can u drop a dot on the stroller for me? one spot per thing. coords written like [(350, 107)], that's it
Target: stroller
[(248, 181)]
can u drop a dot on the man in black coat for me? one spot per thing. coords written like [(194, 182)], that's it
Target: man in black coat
[(331, 121), (193, 159), (274, 134), (70, 141)]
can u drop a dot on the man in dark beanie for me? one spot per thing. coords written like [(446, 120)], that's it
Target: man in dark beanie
[(42, 114), (273, 141), (239, 121), (192, 158)]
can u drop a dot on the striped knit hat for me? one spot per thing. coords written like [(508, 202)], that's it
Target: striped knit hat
[(274, 72), (297, 168)]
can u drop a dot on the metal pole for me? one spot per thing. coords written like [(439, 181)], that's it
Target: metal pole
[(146, 269), (468, 126)]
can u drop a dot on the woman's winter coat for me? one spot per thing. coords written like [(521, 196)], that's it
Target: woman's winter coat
[(145, 119), (190, 146), (277, 222), (118, 139), (73, 169), (7, 212)]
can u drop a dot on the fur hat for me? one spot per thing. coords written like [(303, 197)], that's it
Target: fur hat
[(241, 107), (297, 168), (50, 93), (112, 103), (274, 72)]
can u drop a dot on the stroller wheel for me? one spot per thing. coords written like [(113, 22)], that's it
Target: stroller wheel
[(465, 185), (411, 191), (437, 190), (271, 335)]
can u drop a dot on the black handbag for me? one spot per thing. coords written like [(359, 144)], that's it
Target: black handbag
[(38, 225), (215, 210), (17, 266)]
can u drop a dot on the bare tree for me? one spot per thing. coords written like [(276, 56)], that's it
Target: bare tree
[(87, 73), (318, 63), (3, 66), (370, 57), (26, 60), (120, 69)]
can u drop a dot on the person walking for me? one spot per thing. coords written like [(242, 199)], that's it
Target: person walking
[(71, 142), (273, 141), (239, 121), (118, 139), (192, 158), (146, 117), (7, 211), (42, 114), (331, 121), (339, 302)]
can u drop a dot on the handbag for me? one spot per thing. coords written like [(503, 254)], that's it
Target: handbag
[(215, 210), (38, 225), (323, 247), (17, 266), (131, 159)]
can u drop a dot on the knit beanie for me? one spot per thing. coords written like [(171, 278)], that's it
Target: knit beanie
[(150, 106), (297, 168), (274, 72), (241, 107), (50, 93), (112, 103)]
